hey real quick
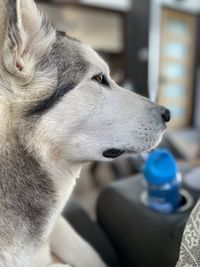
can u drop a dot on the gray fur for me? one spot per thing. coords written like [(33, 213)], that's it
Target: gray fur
[(27, 195)]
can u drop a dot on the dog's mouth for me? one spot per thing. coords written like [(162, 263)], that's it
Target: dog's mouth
[(113, 153)]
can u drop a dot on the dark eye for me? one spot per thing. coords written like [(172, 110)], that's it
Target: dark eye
[(101, 79)]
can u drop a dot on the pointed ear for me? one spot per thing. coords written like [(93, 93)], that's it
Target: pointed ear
[(27, 38)]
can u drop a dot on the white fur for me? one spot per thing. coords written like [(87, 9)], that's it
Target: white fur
[(67, 244)]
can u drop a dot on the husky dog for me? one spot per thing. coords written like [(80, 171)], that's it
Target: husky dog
[(59, 108)]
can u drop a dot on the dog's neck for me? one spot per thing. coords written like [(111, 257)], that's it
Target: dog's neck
[(62, 173), (36, 188), (64, 176)]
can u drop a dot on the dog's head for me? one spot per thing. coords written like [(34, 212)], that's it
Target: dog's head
[(61, 96)]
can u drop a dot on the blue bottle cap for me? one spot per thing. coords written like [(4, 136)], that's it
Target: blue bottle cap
[(160, 167)]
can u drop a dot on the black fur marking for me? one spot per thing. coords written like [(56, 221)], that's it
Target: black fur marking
[(50, 102), (65, 57)]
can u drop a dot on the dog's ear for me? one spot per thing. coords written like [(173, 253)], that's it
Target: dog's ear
[(27, 37)]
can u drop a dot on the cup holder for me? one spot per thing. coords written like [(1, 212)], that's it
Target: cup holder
[(186, 201)]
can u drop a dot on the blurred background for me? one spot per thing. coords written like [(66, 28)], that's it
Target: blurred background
[(153, 48)]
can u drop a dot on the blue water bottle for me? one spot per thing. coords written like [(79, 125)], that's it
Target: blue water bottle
[(163, 187)]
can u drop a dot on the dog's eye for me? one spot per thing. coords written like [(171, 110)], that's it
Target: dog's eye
[(101, 79), (98, 78)]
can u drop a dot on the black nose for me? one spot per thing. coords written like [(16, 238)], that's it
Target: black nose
[(166, 115)]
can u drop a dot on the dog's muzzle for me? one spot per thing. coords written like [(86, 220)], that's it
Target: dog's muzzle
[(113, 153)]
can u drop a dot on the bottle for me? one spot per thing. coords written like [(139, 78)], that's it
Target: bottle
[(163, 186)]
